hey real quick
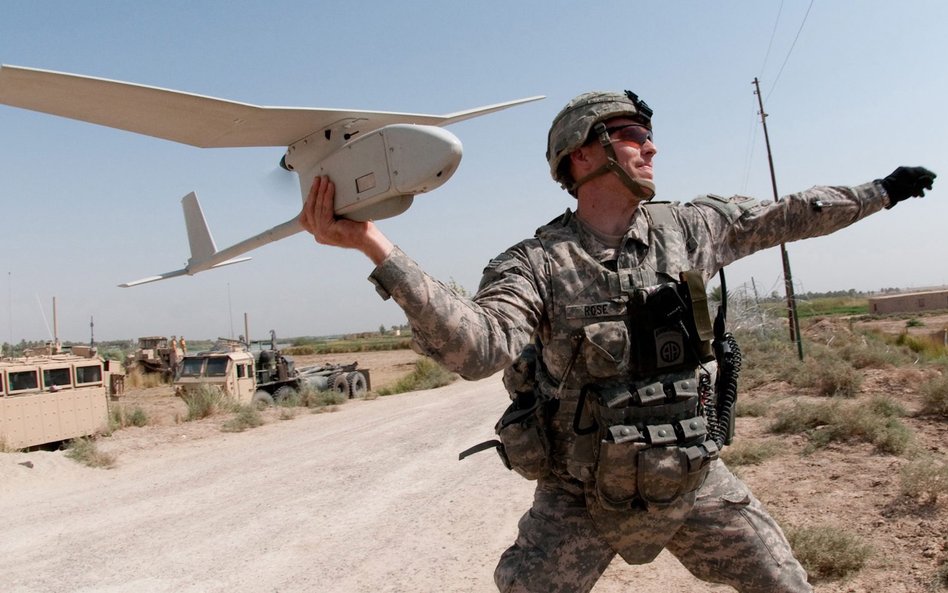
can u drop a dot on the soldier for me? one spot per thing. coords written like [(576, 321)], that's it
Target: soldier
[(610, 297)]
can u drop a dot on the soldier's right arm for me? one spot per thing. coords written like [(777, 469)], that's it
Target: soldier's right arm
[(474, 337)]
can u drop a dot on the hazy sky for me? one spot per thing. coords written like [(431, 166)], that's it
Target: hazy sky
[(86, 208)]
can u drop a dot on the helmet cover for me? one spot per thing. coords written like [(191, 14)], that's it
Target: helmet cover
[(572, 125)]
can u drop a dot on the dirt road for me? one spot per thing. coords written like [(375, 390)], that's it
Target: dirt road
[(370, 498)]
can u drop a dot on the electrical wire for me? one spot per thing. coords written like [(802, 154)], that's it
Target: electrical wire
[(790, 51), (772, 35)]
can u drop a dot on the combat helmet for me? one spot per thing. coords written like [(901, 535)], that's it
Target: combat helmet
[(582, 120)]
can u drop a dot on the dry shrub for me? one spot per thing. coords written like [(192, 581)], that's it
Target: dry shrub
[(136, 379), (246, 417), (427, 375), (85, 451), (766, 358), (828, 553), (935, 396), (121, 416), (924, 478), (745, 452), (205, 401), (829, 374), (875, 421), (871, 350), (751, 408)]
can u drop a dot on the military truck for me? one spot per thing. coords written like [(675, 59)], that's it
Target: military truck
[(51, 398), (155, 355), (264, 377)]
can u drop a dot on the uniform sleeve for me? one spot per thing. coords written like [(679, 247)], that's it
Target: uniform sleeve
[(727, 230), (474, 337)]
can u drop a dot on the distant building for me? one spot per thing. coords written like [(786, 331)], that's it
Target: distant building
[(909, 302)]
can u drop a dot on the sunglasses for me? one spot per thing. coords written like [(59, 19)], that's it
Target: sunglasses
[(635, 133)]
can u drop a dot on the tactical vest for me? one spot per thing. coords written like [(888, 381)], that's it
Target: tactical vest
[(606, 334)]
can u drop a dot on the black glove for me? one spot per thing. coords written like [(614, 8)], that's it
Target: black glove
[(906, 182)]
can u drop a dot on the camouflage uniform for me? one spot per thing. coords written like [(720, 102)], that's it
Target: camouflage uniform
[(565, 279)]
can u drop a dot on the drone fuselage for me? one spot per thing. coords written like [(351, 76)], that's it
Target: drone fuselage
[(377, 174)]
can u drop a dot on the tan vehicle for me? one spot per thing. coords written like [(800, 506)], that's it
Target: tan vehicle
[(156, 354), (265, 377), (52, 398)]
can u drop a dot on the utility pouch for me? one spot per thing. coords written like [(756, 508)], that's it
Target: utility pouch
[(662, 472), (616, 474), (523, 445), (523, 440), (606, 348)]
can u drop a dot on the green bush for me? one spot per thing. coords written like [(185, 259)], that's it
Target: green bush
[(120, 417), (872, 350), (927, 348), (828, 553), (205, 401)]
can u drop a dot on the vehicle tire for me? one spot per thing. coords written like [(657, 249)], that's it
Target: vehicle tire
[(358, 386), (261, 399), (341, 385), (285, 394)]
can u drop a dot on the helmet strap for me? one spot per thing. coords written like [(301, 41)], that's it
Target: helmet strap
[(640, 188)]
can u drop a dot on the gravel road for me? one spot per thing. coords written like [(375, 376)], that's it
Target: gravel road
[(370, 498)]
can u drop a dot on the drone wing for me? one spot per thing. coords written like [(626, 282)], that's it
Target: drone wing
[(197, 120)]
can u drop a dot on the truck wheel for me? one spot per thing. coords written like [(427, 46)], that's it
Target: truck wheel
[(285, 395), (261, 399), (341, 385), (357, 384)]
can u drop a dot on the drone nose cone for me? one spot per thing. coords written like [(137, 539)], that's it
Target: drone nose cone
[(421, 158)]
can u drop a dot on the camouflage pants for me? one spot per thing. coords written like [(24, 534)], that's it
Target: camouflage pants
[(727, 538)]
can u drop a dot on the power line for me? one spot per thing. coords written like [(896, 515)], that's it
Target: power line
[(790, 51), (773, 34)]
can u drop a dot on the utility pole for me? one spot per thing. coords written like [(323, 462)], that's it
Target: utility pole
[(794, 321)]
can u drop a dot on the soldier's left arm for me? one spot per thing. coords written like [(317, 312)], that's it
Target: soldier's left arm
[(729, 229)]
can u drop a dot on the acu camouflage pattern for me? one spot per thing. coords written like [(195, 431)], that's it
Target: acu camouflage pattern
[(726, 537), (478, 337), (571, 126), (562, 547)]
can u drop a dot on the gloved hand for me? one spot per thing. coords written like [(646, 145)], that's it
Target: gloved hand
[(906, 182)]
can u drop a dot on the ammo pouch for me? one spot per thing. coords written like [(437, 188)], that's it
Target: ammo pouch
[(647, 456), (523, 445), (658, 473)]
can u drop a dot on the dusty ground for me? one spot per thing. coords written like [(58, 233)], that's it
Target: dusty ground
[(372, 498)]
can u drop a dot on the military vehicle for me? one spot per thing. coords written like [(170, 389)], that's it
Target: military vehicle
[(264, 377), (155, 354), (50, 398)]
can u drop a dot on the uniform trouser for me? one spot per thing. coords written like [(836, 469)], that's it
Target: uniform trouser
[(727, 538)]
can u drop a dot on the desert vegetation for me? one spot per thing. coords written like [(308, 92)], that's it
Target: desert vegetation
[(859, 396)]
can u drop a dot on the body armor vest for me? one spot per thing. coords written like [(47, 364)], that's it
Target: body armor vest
[(609, 328)]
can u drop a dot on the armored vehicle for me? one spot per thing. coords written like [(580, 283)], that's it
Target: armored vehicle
[(45, 399)]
